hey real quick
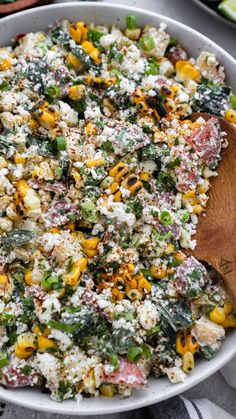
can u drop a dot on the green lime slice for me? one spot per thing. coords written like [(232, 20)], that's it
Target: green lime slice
[(228, 8)]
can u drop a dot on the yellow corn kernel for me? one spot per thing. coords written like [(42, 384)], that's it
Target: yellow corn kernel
[(18, 159), (45, 343), (174, 91), (95, 55), (46, 332), (33, 124), (180, 256), (159, 272), (228, 307), (132, 183), (217, 315), (118, 171), (47, 119), (87, 46), (230, 321), (181, 345), (144, 176), (22, 188), (170, 248), (190, 197), (30, 198), (138, 96), (143, 285), (91, 129), (117, 196), (230, 115), (76, 92), (130, 267), (180, 65), (28, 277), (108, 104), (131, 285), (26, 341), (117, 294), (186, 70), (54, 230), (74, 61), (75, 33), (90, 244), (188, 362), (198, 209), (90, 253), (22, 353), (107, 390), (203, 188), (110, 81), (134, 294), (114, 187), (95, 163), (3, 279), (192, 344), (5, 64), (3, 163), (72, 278)]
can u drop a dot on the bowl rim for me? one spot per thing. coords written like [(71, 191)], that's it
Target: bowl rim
[(217, 362), (220, 17)]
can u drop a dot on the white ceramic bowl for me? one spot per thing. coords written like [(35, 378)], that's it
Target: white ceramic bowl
[(194, 42)]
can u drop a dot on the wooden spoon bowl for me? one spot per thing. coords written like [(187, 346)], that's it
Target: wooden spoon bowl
[(216, 230)]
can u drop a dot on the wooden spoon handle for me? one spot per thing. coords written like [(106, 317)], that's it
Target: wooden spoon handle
[(226, 266)]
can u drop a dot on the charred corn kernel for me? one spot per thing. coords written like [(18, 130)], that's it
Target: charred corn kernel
[(191, 344), (54, 230), (130, 267), (118, 171), (33, 124), (188, 362), (230, 116), (73, 61), (110, 81), (143, 108), (70, 226), (22, 353), (45, 343), (170, 248), (180, 256), (144, 176), (29, 197), (144, 286), (190, 197), (134, 295), (198, 209), (132, 183), (159, 272), (181, 345), (217, 315), (18, 159), (5, 64), (230, 321), (72, 278), (95, 55), (90, 244), (228, 307), (138, 96), (90, 129), (3, 163), (47, 119), (90, 253), (132, 284), (29, 277), (114, 187), (89, 382), (75, 33), (87, 46), (174, 91), (108, 104), (76, 92), (27, 341), (117, 294), (107, 390), (95, 163), (117, 196), (170, 105)]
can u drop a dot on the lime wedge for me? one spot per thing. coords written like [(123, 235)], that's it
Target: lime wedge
[(228, 8)]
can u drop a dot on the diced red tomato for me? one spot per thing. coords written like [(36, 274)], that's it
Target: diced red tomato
[(128, 374), (13, 378)]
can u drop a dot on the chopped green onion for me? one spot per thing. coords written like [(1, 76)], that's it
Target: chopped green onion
[(53, 91), (185, 217), (60, 143), (51, 282), (114, 360), (153, 330), (3, 359), (5, 86), (131, 22), (147, 43), (166, 218), (94, 35), (64, 327), (134, 353), (233, 101)]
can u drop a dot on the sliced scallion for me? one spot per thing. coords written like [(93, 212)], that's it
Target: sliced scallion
[(147, 43)]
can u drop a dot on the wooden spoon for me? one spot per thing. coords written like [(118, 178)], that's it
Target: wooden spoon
[(216, 230)]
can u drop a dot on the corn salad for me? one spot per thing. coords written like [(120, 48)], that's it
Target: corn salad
[(103, 176)]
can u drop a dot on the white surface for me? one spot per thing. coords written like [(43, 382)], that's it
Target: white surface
[(159, 389)]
